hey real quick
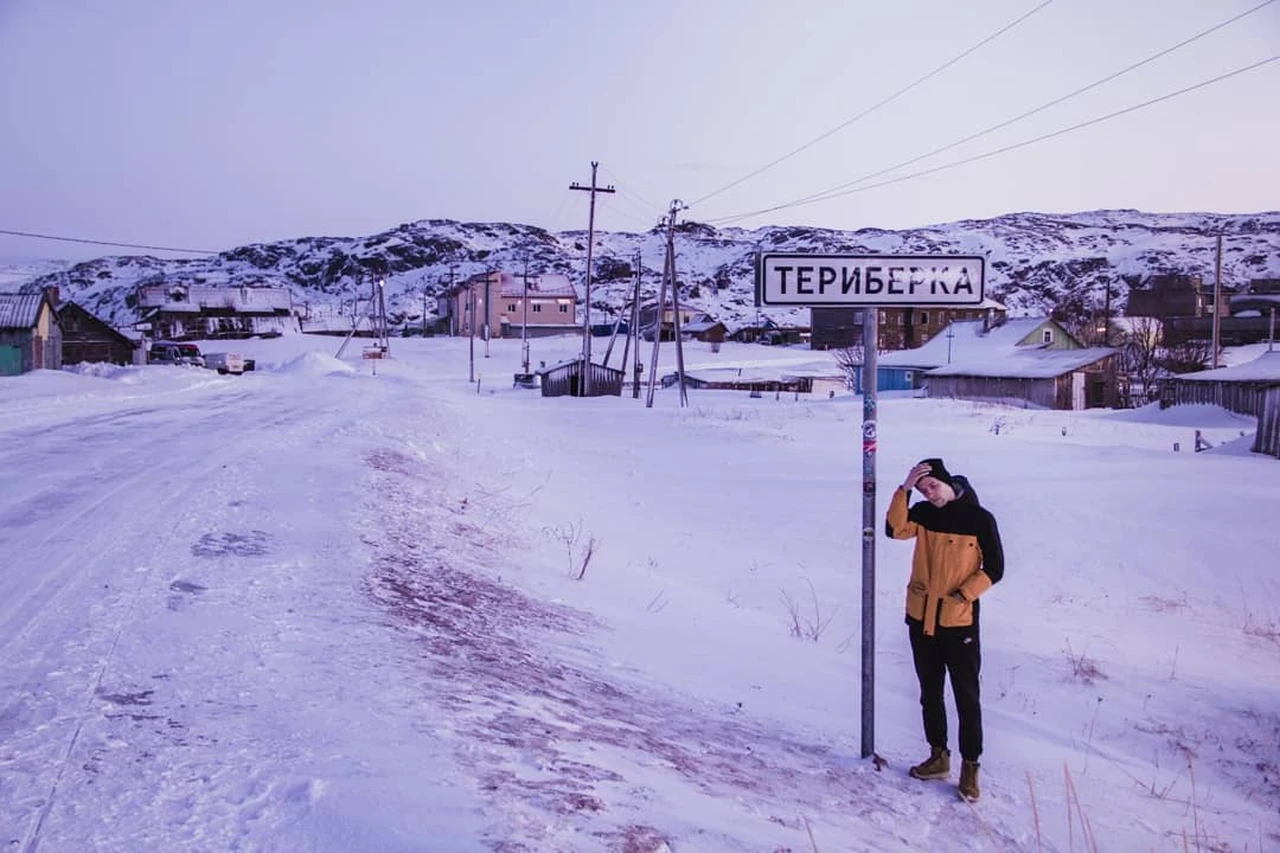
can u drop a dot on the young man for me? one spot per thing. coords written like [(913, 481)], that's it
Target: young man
[(957, 558)]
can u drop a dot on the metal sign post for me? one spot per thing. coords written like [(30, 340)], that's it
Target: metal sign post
[(870, 369), (870, 282)]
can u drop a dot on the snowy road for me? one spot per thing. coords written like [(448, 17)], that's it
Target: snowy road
[(181, 626)]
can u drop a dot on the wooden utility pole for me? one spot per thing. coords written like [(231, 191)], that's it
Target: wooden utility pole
[(633, 330), (591, 232), (488, 310), (657, 335), (1217, 300), (524, 323), (668, 276), (1106, 320), (675, 302), (471, 328)]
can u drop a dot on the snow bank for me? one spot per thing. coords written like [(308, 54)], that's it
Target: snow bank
[(314, 364)]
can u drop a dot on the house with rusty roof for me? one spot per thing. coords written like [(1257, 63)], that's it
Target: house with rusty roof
[(30, 335)]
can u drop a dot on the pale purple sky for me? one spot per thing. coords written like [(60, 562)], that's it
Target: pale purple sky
[(210, 125)]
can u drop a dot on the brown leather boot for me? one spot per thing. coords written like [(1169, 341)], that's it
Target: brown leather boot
[(969, 780), (936, 766)]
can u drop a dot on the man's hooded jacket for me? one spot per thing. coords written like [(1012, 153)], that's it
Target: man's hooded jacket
[(957, 550)]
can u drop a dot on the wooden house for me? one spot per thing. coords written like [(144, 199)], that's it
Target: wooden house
[(565, 380), (1241, 388), (85, 338), (1082, 378), (30, 335), (707, 330), (177, 311)]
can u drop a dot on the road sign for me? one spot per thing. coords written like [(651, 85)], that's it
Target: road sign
[(800, 279)]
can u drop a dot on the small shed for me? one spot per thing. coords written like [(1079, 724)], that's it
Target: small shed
[(565, 380), (1268, 438), (85, 338), (710, 331), (30, 337), (1239, 388), (1051, 379)]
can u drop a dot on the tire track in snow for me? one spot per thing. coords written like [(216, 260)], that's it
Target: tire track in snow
[(219, 456)]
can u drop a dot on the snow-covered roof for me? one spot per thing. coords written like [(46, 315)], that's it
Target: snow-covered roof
[(967, 342), (1028, 363), (180, 297), (539, 286), (1264, 368), (20, 310), (702, 325)]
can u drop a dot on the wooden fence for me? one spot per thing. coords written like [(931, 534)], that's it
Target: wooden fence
[(1243, 398), (1268, 438)]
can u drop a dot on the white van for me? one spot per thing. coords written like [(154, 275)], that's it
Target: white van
[(224, 362)]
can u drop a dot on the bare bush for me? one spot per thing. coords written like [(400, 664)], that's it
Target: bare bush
[(1083, 668), (571, 536), (802, 627), (849, 361)]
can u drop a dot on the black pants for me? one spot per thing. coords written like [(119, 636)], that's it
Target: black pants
[(956, 651)]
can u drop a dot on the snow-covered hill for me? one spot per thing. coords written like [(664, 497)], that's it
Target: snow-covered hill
[(1036, 261)]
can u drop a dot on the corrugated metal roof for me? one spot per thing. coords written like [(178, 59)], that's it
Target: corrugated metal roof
[(20, 310), (1028, 363)]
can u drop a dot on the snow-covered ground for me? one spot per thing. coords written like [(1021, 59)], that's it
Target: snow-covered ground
[(316, 609)]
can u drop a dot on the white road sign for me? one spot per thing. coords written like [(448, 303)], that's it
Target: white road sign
[(809, 279)]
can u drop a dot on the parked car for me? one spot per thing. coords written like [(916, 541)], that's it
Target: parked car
[(172, 352), (225, 362)]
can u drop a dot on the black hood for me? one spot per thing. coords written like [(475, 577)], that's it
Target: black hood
[(964, 490)]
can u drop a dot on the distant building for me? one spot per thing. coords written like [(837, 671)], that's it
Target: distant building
[(176, 311), (1174, 295), (85, 338), (30, 335), (502, 303), (900, 327)]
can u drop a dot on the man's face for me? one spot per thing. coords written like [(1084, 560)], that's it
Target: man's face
[(935, 491)]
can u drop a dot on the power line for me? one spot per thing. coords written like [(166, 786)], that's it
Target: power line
[(869, 110), (650, 206), (106, 243), (1004, 149), (829, 193)]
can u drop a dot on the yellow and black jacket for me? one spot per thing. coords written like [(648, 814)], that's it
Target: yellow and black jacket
[(957, 550)]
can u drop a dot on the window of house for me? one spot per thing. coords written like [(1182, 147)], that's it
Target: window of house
[(1047, 336), (512, 308), (564, 309), (924, 318), (537, 307)]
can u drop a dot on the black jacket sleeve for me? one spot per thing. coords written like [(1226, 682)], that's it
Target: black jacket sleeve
[(992, 548)]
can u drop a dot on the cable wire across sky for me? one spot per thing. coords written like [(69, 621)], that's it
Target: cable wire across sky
[(834, 192), (107, 243), (1002, 150), (869, 110)]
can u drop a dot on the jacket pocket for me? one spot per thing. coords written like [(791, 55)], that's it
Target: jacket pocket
[(954, 614), (917, 595)]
